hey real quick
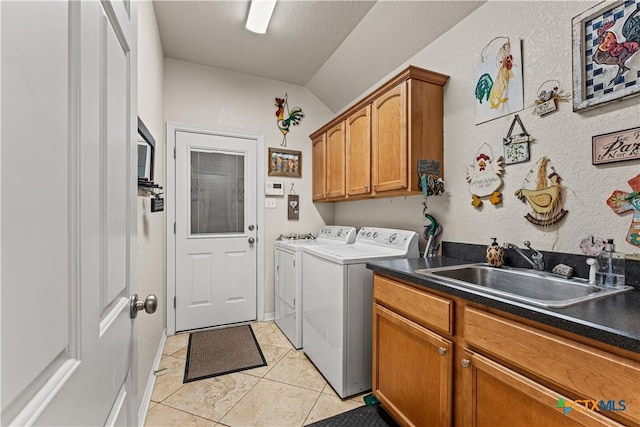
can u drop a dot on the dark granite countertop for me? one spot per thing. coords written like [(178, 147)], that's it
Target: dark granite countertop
[(613, 320)]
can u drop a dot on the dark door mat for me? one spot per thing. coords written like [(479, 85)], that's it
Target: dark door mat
[(222, 351), (365, 416)]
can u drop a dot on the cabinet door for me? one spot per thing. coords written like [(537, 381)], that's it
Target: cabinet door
[(494, 394), (412, 370), (389, 140), (336, 161), (319, 168), (359, 152)]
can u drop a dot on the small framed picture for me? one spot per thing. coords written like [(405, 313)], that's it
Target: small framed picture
[(285, 162), (616, 146), (606, 64)]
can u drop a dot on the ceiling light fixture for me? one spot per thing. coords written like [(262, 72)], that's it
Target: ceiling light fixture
[(260, 13)]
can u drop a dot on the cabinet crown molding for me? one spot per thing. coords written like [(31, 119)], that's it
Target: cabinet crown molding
[(411, 72)]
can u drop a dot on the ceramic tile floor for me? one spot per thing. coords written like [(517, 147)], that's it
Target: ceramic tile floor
[(289, 391)]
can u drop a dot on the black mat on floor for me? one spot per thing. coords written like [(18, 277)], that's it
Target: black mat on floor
[(222, 351), (365, 416)]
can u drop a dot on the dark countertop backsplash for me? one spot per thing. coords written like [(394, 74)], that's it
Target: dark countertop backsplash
[(476, 253)]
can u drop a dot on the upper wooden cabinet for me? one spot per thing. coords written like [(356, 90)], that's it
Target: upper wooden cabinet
[(319, 154), (336, 162), (389, 131), (359, 152), (386, 134)]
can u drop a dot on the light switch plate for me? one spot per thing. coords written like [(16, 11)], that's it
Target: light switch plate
[(270, 203)]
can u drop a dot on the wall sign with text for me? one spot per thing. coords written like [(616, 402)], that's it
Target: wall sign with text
[(616, 146)]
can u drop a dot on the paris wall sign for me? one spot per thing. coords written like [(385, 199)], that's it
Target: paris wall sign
[(616, 146)]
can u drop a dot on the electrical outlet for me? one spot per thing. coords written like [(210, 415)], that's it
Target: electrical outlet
[(270, 203)]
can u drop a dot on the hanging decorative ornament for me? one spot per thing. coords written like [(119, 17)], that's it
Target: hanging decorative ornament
[(516, 146), (485, 176), (620, 202), (293, 205), (285, 121), (430, 182), (549, 94), (546, 199)]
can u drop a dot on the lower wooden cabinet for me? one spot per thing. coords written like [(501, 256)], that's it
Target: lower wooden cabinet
[(497, 396), (441, 361), (412, 370)]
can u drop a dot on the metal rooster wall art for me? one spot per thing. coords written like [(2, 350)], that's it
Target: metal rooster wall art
[(292, 118)]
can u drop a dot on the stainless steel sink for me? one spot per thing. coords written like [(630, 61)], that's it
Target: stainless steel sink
[(528, 286)]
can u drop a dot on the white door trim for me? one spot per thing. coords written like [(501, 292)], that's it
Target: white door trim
[(170, 201)]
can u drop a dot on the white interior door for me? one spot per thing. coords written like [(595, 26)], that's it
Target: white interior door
[(68, 212), (215, 230)]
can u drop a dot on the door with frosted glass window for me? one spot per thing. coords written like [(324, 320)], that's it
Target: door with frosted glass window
[(215, 230)]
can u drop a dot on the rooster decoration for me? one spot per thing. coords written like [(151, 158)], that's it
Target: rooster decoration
[(485, 176), (293, 117), (495, 91), (612, 52), (546, 199)]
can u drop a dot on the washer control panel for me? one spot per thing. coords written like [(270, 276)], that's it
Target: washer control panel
[(386, 237), (336, 232)]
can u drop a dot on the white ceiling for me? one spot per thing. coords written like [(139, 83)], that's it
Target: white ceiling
[(337, 49)]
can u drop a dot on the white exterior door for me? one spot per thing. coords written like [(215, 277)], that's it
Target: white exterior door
[(216, 250), (68, 230)]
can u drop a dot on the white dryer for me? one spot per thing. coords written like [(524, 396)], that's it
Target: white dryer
[(288, 275), (338, 300)]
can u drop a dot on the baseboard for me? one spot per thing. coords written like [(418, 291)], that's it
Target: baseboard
[(146, 400), (269, 316)]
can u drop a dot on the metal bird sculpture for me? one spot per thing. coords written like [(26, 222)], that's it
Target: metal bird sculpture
[(294, 117)]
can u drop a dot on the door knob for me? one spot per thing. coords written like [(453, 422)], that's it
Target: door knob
[(150, 304), (251, 240)]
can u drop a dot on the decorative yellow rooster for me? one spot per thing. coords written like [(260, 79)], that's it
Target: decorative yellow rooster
[(546, 200), (294, 117)]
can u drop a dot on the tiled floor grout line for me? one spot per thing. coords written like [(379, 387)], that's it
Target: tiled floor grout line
[(311, 410), (239, 400)]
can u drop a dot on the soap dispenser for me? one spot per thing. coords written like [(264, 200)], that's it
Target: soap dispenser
[(495, 254), (610, 273)]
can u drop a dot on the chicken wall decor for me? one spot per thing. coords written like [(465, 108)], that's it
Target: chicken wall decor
[(285, 121), (621, 201), (606, 41), (485, 176), (499, 89), (546, 199)]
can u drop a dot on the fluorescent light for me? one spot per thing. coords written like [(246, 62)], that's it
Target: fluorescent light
[(259, 15)]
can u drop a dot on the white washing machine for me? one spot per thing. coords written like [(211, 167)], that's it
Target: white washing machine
[(288, 275), (338, 300)]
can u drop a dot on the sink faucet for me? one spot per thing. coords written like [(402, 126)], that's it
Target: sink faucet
[(536, 260)]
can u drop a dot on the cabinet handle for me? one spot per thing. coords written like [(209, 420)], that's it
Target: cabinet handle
[(442, 351), (366, 187), (465, 363), (373, 186)]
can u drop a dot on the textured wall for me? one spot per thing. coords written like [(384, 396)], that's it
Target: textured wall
[(563, 136), (150, 250), (225, 100)]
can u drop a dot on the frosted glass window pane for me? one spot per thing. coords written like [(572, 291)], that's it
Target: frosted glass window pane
[(217, 193)]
